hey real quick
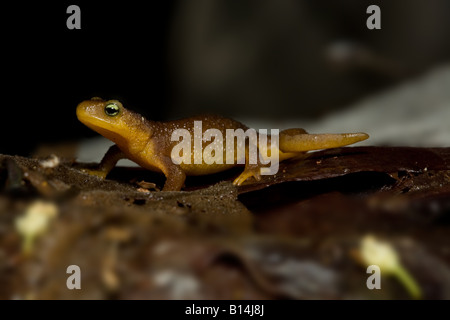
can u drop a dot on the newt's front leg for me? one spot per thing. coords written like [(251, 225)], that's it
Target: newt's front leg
[(175, 176), (108, 162)]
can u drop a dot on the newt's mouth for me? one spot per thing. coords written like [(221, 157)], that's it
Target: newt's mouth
[(100, 126)]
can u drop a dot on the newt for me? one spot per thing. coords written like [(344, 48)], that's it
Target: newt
[(149, 143)]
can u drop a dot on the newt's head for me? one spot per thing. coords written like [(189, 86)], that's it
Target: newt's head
[(111, 120)]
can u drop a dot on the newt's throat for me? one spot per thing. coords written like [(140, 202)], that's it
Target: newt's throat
[(105, 129)]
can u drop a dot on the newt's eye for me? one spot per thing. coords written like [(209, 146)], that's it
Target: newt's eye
[(112, 109)]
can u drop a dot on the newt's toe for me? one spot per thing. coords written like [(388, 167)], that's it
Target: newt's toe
[(248, 173), (93, 172)]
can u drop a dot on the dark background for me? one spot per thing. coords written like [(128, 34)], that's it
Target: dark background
[(168, 59), (120, 52)]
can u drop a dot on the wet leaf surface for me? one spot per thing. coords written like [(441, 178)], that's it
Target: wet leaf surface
[(342, 161)]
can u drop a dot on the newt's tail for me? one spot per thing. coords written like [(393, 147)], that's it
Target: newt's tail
[(298, 140)]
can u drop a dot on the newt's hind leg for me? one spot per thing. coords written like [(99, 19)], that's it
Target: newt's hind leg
[(254, 170), (251, 170), (265, 161)]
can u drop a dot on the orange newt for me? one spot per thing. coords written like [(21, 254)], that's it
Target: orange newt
[(150, 143)]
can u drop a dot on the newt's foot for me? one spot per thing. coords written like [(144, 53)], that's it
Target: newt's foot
[(248, 173), (95, 172)]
